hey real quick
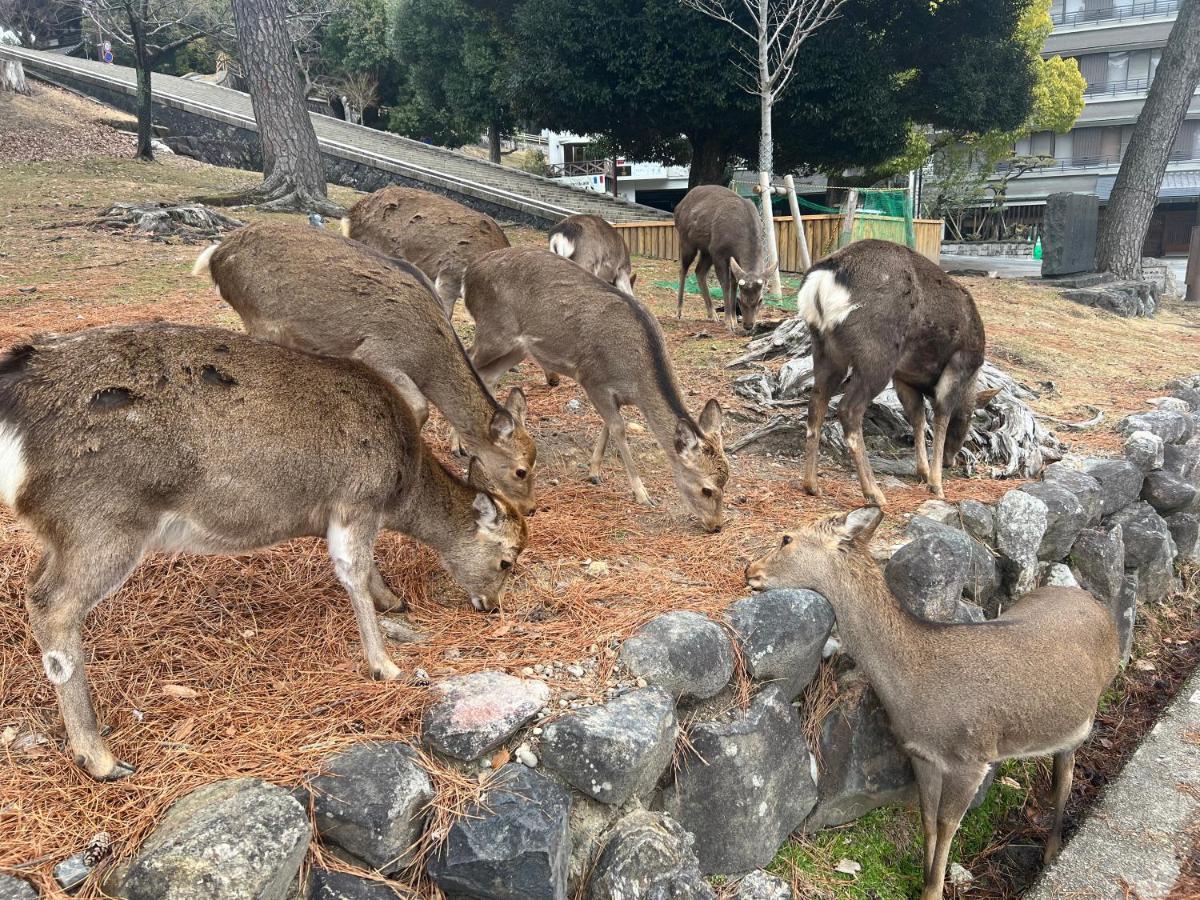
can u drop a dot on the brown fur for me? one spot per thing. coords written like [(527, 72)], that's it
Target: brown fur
[(169, 438), (959, 697), (911, 323), (594, 244), (723, 229), (434, 233), (312, 290), (533, 302)]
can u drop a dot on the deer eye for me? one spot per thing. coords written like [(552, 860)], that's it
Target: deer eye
[(787, 539), (521, 473), (707, 492), (506, 564)]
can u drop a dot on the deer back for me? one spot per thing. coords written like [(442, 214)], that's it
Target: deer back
[(716, 221)]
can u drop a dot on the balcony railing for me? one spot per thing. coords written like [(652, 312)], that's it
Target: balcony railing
[(583, 167), (1118, 87), (1101, 162), (1115, 12)]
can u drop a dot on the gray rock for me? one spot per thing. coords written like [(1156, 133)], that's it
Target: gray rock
[(1168, 493), (512, 846), (1065, 518), (1021, 522), (326, 885), (1173, 427), (72, 872), (1149, 548), (237, 838), (743, 785), (1183, 460), (587, 831), (16, 888), (371, 802), (981, 579), (763, 886), (978, 520), (1070, 225), (1174, 404), (1185, 531), (1120, 483), (686, 654), (1144, 450), (1098, 560), (939, 511), (781, 635), (648, 857), (1059, 575), (1086, 489), (475, 714), (616, 751), (862, 766), (928, 573)]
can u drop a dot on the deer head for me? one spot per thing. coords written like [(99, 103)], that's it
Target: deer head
[(818, 555), (701, 469), (510, 455), (749, 287)]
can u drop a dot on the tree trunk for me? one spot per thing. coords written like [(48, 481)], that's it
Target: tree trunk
[(1140, 177), (142, 62), (494, 141), (294, 174), (710, 161), (766, 144)]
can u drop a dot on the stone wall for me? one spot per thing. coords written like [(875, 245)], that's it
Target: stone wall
[(604, 796), (990, 248)]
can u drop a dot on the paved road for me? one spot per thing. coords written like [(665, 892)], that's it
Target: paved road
[(1010, 267)]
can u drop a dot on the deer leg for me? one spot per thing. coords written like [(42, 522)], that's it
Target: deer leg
[(702, 268), (913, 402), (615, 426), (854, 403), (951, 417), (598, 454), (941, 424), (959, 787), (826, 377), (66, 589), (350, 546), (381, 595), (552, 378), (929, 788), (686, 255), (1060, 790)]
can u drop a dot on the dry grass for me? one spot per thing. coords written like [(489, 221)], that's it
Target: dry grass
[(267, 641)]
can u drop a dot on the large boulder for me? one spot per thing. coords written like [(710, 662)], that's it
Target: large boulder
[(16, 889), (616, 751), (370, 801), (743, 785), (982, 578), (513, 845), (978, 520), (1149, 548), (1168, 493), (1185, 531), (928, 573), (587, 831), (1120, 483), (237, 838), (763, 886), (1183, 460), (862, 766), (324, 884), (686, 654), (1086, 489), (1098, 561), (475, 714), (1021, 521), (781, 635), (1172, 426), (1065, 518), (1144, 450), (648, 857)]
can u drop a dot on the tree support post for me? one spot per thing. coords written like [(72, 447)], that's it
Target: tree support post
[(801, 238), (772, 245)]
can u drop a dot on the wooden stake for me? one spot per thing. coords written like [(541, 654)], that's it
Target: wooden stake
[(801, 238), (764, 196)]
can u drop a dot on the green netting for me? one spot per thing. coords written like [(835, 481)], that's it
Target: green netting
[(788, 301), (884, 214)]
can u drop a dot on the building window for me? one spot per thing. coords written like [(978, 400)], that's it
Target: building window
[(1042, 143), (574, 153)]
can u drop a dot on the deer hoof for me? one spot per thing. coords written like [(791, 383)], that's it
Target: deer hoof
[(389, 603), (594, 479), (813, 490), (936, 490), (385, 671), (108, 769), (876, 497)]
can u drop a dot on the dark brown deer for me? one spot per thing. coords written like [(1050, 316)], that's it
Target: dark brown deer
[(880, 311), (312, 290), (959, 697), (724, 230), (124, 441), (434, 233), (530, 302), (597, 246)]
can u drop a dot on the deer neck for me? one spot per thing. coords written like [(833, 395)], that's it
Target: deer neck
[(663, 407), (459, 394), (437, 508)]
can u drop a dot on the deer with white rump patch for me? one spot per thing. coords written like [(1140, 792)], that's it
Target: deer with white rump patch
[(959, 697), (125, 441), (528, 302), (596, 246), (723, 229), (312, 290), (880, 311)]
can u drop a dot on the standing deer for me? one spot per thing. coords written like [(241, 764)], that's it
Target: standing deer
[(597, 246), (432, 232), (123, 441), (959, 697), (723, 229), (312, 290), (881, 311), (535, 303)]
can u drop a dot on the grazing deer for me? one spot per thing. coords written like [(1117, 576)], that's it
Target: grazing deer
[(597, 246), (724, 230), (124, 441), (312, 290), (881, 311), (432, 232), (533, 302), (959, 697)]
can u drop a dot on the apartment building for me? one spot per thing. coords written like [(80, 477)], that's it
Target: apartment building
[(1118, 45)]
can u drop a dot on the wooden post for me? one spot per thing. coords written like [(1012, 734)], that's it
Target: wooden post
[(801, 238), (1192, 278), (764, 198), (848, 220)]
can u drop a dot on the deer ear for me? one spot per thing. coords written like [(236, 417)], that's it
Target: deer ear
[(515, 404), (503, 424), (710, 419), (738, 272), (769, 270), (983, 398), (633, 279), (687, 441), (859, 524), (487, 513)]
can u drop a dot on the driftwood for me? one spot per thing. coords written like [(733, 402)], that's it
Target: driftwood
[(190, 222), (1006, 439)]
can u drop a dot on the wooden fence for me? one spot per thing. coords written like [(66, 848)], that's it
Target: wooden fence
[(658, 239)]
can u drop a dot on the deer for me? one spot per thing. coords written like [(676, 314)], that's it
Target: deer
[(723, 229), (528, 301), (881, 311), (959, 697), (594, 244), (312, 290), (123, 441), (434, 233)]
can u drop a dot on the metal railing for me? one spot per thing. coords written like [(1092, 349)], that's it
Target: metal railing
[(1118, 87), (1115, 12)]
